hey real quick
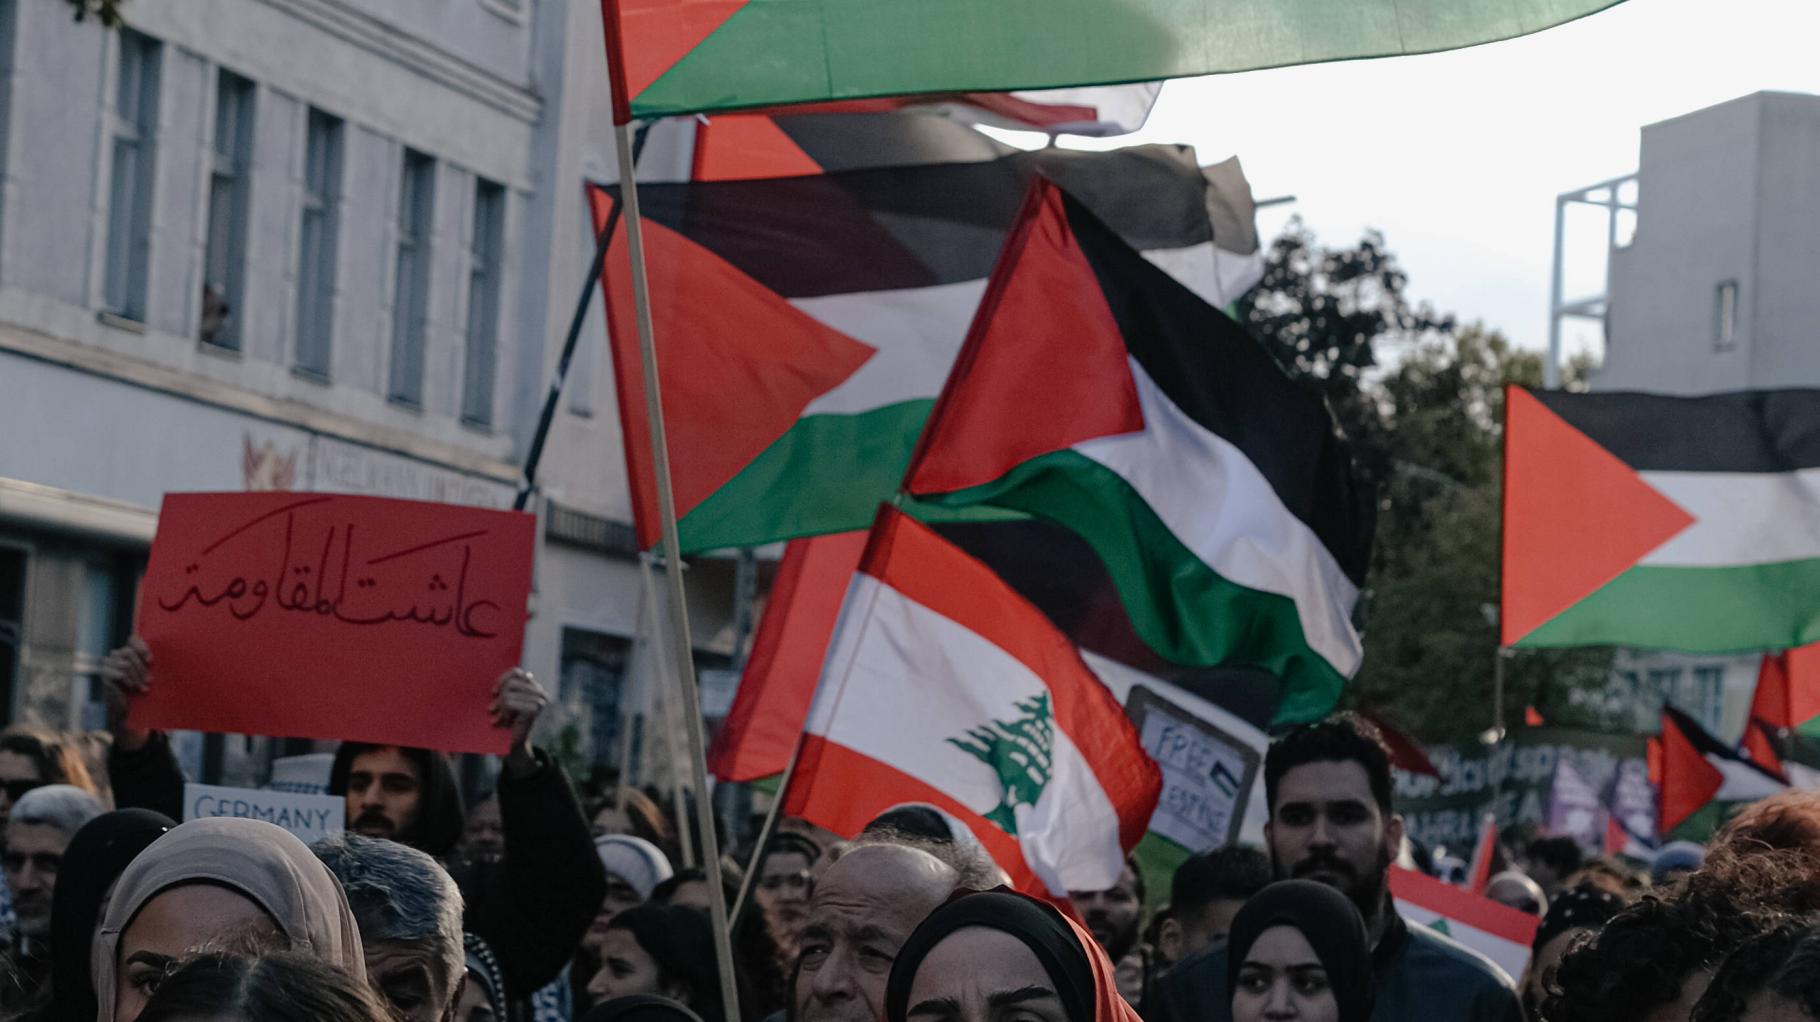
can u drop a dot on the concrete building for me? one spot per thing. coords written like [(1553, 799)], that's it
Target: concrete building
[(1716, 292), (324, 245)]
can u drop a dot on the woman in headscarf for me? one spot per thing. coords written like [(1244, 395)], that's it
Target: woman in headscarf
[(1299, 949), (217, 885), (484, 998), (981, 950), (92, 862), (641, 1008)]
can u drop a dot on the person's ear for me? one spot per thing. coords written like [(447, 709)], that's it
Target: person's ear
[(1169, 939), (1393, 831), (454, 1005)]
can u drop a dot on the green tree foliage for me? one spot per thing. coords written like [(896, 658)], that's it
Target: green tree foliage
[(105, 11), (1421, 400)]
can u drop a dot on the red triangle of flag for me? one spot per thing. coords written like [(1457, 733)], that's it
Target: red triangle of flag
[(1687, 781), (740, 147), (1769, 703), (737, 364), (1012, 395), (1759, 748), (646, 38), (1575, 517)]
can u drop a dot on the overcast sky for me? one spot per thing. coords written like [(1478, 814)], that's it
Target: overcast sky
[(1457, 157)]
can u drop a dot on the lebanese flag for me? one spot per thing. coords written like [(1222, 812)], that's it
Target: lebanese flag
[(1692, 769), (944, 686), (775, 690), (1662, 522), (1098, 393), (1498, 932)]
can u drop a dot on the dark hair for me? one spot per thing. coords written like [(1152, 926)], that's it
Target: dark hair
[(1232, 873), (53, 754), (1785, 961), (914, 820), (279, 987), (680, 942), (1561, 854), (1638, 962), (1787, 819), (441, 817), (1341, 738), (758, 953), (789, 842), (647, 819)]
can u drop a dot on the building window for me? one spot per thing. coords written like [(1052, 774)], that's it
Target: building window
[(592, 692), (133, 131), (1725, 318), (316, 242), (484, 260), (224, 257), (416, 205)]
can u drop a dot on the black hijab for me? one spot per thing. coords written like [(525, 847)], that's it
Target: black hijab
[(95, 858), (1040, 927), (1331, 924), (440, 816), (641, 1008)]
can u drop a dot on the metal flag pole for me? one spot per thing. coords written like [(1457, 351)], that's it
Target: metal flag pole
[(679, 608), (528, 481)]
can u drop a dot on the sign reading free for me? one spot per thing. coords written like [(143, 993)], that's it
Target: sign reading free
[(309, 817)]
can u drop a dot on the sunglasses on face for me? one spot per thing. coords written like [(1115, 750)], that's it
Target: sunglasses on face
[(15, 790)]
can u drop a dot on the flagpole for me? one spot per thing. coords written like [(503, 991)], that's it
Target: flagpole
[(679, 608), (528, 478), (668, 723)]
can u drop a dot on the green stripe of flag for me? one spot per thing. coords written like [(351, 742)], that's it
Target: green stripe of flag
[(1700, 610), (787, 51), (1165, 588), (849, 462)]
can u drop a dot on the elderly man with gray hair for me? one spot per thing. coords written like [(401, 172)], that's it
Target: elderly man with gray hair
[(409, 913), (37, 832)]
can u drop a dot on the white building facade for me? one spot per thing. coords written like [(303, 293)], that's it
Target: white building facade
[(297, 244)]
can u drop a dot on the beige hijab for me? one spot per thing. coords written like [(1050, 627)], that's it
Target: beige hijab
[(263, 862)]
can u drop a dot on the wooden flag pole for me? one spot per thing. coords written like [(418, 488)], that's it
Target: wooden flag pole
[(689, 694), (667, 721)]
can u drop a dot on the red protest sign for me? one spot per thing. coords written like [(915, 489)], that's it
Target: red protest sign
[(328, 616)]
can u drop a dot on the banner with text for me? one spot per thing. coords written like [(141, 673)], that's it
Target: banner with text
[(310, 817), (339, 617), (1515, 781)]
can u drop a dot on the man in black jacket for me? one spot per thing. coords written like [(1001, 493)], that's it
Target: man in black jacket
[(532, 907), (1328, 786)]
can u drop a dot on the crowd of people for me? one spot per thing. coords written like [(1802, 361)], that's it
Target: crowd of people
[(533, 905)]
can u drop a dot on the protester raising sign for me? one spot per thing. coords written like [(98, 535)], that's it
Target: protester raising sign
[(325, 616)]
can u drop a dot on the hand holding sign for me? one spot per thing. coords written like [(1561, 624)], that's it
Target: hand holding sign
[(325, 616)]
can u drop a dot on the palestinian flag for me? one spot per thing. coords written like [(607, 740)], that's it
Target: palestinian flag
[(1098, 393), (793, 136), (1788, 690), (686, 56), (1664, 522), (805, 325), (1692, 769), (943, 686), (1499, 932)]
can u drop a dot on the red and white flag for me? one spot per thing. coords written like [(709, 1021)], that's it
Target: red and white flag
[(944, 686)]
